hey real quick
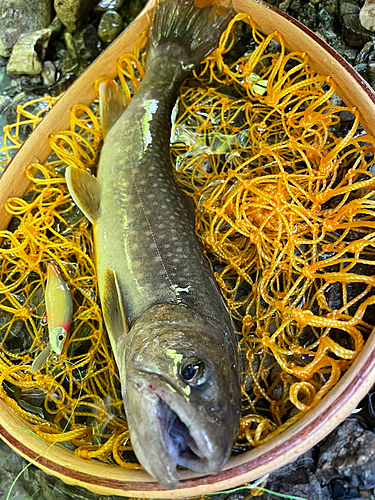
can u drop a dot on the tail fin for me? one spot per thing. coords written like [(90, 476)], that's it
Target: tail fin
[(182, 24)]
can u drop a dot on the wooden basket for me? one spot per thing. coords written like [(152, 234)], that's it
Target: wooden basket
[(337, 405)]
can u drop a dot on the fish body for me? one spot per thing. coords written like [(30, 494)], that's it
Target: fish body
[(168, 325)]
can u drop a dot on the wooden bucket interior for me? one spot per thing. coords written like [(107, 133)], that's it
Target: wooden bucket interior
[(337, 405)]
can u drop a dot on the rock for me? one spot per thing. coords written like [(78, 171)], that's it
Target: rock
[(28, 53), (131, 10), (69, 43), (18, 17), (110, 26), (352, 29), (364, 53), (296, 480), (367, 15), (362, 70), (72, 13), (56, 26), (104, 5), (48, 73), (87, 44), (329, 5), (307, 15), (82, 47), (348, 452), (371, 73), (325, 19)]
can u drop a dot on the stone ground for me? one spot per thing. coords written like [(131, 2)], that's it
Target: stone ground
[(342, 466)]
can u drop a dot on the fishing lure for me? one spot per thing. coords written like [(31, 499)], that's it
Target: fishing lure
[(59, 307)]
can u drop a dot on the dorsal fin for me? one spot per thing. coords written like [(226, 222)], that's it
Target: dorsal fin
[(111, 105)]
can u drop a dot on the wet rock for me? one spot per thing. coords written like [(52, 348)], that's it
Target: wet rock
[(362, 70), (364, 53), (69, 43), (295, 5), (110, 26), (87, 44), (28, 53), (284, 5), (307, 15), (353, 31), (349, 452), (72, 13), (56, 26), (367, 15), (325, 19), (348, 53), (5, 102), (104, 5), (296, 480), (130, 10), (48, 73), (371, 73), (329, 5), (18, 17), (80, 49), (340, 490)]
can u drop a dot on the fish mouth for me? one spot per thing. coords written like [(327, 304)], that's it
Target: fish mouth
[(177, 438), (184, 432), (166, 430)]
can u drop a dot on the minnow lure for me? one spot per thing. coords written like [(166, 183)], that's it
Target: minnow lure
[(59, 307)]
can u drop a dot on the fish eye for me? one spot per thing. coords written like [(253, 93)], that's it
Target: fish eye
[(192, 372), (61, 337)]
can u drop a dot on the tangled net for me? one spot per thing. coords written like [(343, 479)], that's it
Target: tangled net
[(284, 212)]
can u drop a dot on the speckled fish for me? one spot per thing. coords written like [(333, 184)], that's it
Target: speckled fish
[(59, 309), (168, 325)]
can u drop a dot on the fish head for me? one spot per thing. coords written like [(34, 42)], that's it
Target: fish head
[(181, 393)]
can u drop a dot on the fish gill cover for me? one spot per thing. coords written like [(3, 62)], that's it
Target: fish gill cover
[(284, 212)]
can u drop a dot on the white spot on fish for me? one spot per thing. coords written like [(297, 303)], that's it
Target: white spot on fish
[(150, 106), (177, 290)]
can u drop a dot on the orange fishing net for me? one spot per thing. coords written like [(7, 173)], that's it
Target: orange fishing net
[(284, 211)]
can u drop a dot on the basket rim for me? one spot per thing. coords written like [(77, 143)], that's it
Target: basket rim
[(305, 433)]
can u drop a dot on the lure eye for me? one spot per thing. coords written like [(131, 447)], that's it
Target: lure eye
[(193, 372), (57, 339)]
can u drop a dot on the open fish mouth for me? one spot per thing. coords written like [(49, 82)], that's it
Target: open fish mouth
[(167, 429), (178, 440)]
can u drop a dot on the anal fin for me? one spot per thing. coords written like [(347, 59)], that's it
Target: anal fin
[(85, 191), (113, 313), (111, 105)]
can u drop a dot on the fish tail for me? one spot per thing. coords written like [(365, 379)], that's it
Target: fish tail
[(187, 32)]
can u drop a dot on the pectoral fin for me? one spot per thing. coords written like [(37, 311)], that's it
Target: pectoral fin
[(111, 105), (113, 312), (85, 191)]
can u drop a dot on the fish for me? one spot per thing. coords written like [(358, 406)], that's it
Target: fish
[(59, 308), (167, 322)]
